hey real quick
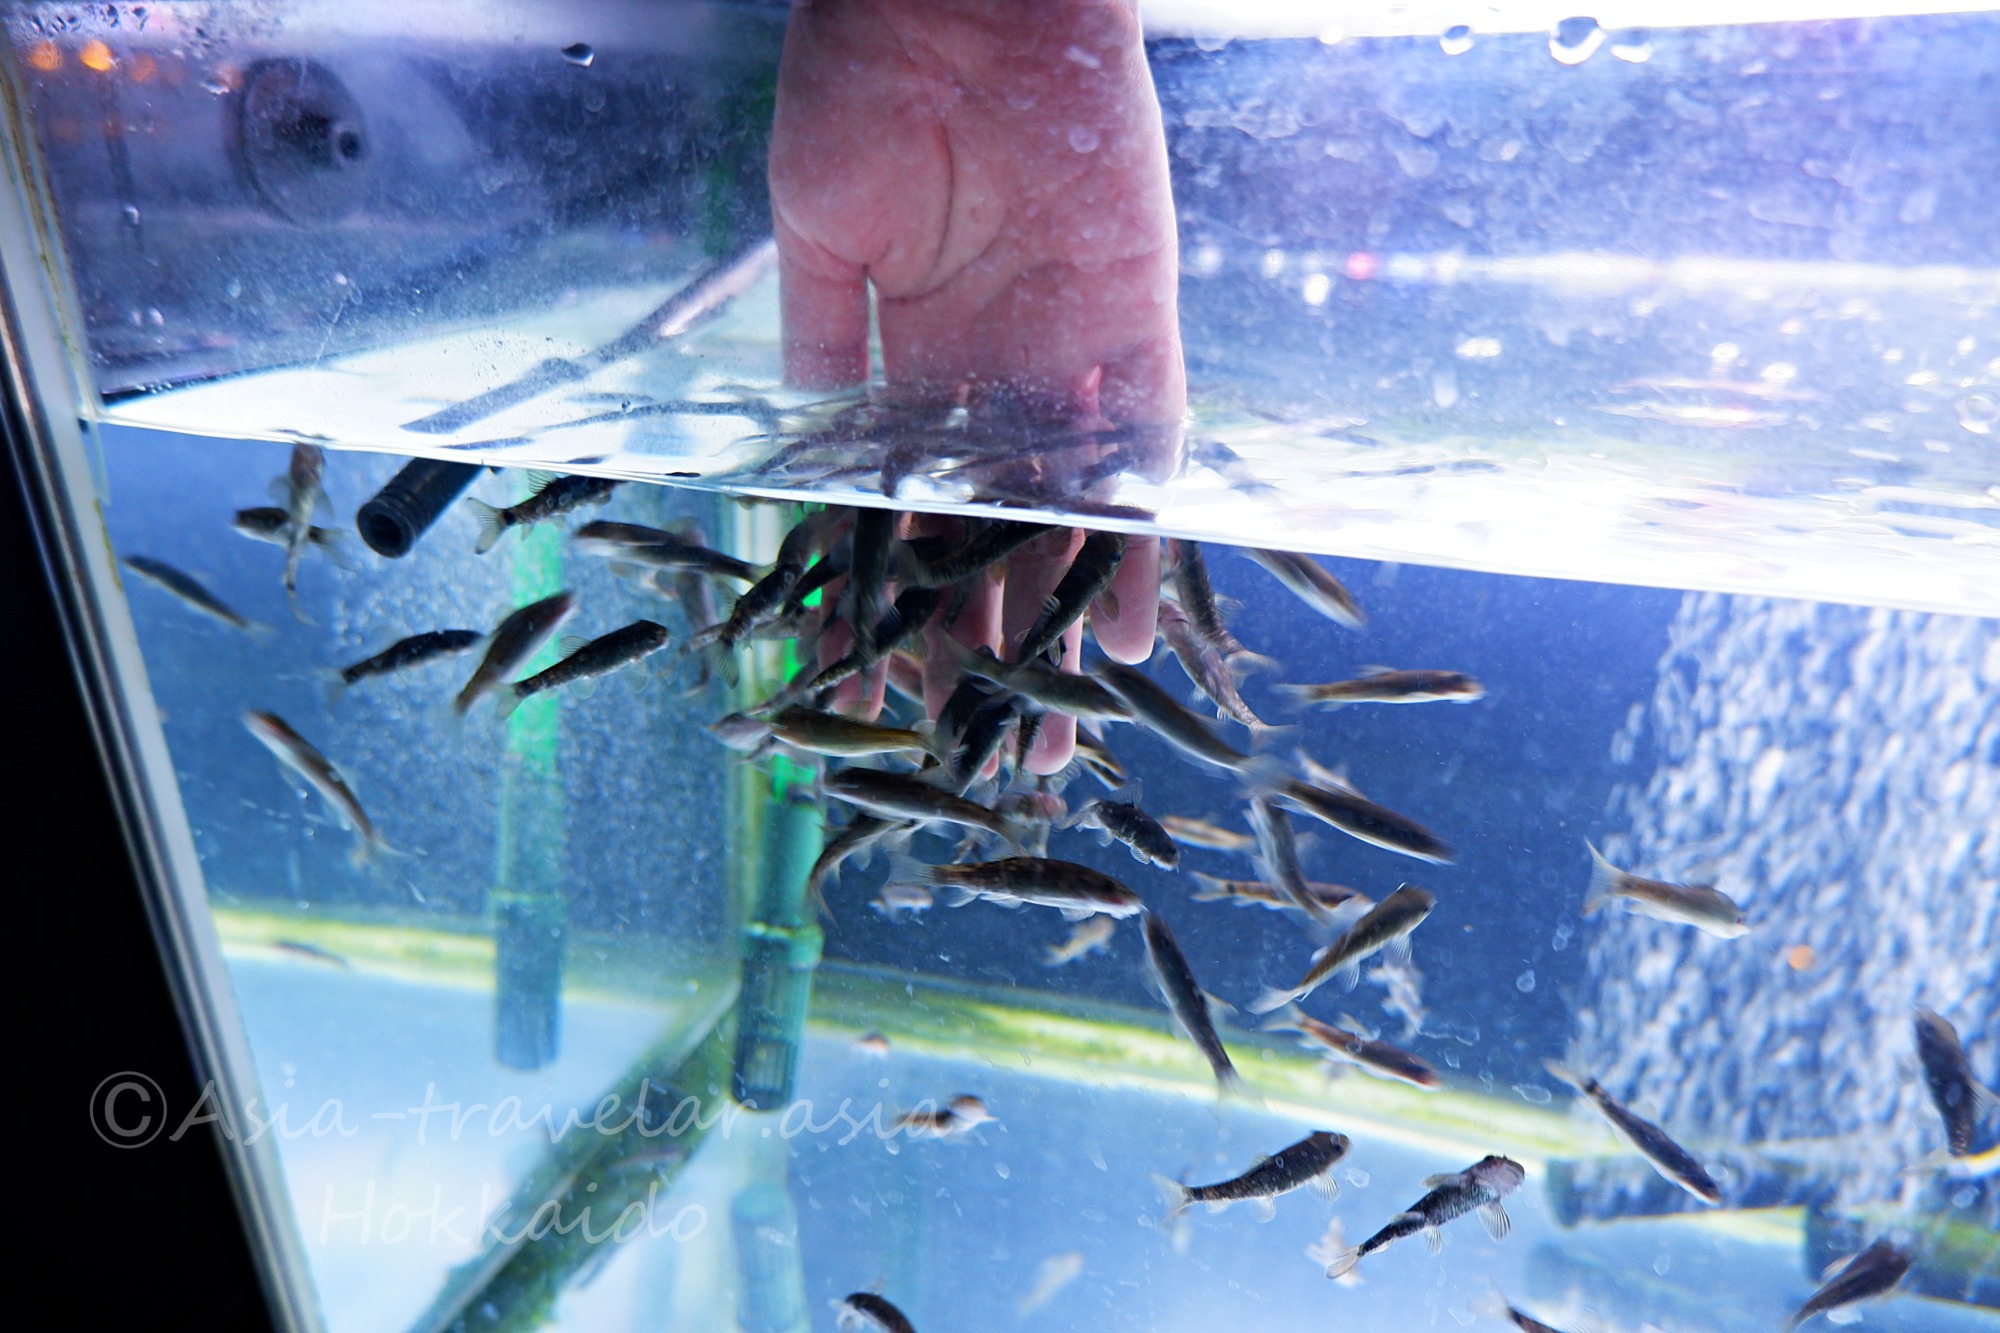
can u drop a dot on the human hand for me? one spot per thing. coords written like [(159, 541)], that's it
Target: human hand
[(997, 172)]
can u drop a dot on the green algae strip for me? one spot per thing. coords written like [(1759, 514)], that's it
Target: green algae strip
[(600, 967)]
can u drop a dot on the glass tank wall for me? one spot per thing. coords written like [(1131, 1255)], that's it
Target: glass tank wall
[(455, 524)]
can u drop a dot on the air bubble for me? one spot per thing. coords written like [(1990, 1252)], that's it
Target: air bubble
[(132, 214), (1525, 982), (1533, 1093), (1662, 1264), (1316, 289), (579, 54), (1575, 40), (1632, 48), (1357, 1178), (1978, 413), (1457, 39)]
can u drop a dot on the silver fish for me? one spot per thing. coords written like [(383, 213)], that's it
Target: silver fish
[(1076, 891), (1699, 905), (1184, 996), (1312, 585), (296, 753), (412, 651), (832, 734), (1483, 1186), (1191, 832), (550, 495), (1359, 817), (1089, 936), (1165, 716), (302, 494), (1197, 601), (270, 523), (1387, 922), (1671, 1160), (1087, 580), (186, 590), (1046, 685), (514, 641), (1307, 1162), (1958, 1096), (589, 659), (909, 797), (866, 596), (657, 548), (1119, 816), (1380, 685), (1256, 893), (1278, 856), (1346, 1044), (936, 562), (1207, 666), (1873, 1272)]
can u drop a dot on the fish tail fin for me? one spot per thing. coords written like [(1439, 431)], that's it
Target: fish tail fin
[(1344, 1262), (1285, 1019), (1212, 889), (1272, 998), (1303, 696), (335, 685), (492, 525), (1562, 1073), (1172, 1193), (906, 869), (1604, 880), (1229, 1083), (510, 699), (1261, 774)]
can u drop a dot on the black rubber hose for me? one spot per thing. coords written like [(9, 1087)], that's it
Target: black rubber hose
[(404, 509)]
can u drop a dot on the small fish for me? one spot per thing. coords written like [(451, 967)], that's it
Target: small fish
[(1671, 1160), (1873, 1272), (587, 659), (1046, 685), (767, 595), (864, 1309), (1189, 1003), (314, 952), (1310, 1161), (1278, 856), (1093, 758), (268, 523), (1312, 585), (896, 901), (964, 1113), (1196, 600), (1256, 893), (1359, 817), (1207, 667), (550, 496), (872, 1044), (1380, 685), (302, 494), (1192, 832), (857, 839), (1088, 579), (934, 562), (1483, 1186), (1057, 1271), (743, 732), (1959, 1098), (412, 651), (1076, 891), (1091, 935), (656, 548), (297, 754), (1036, 811), (1697, 905), (517, 638), (1348, 1044), (815, 732), (183, 588), (1386, 923), (908, 796), (902, 625), (1166, 717), (1406, 995), (1119, 816)]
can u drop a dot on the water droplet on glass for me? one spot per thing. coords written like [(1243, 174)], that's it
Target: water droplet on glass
[(579, 54), (1632, 48), (1965, 1198), (1978, 413), (1210, 42), (1083, 139), (1000, 1170), (1274, 263), (1560, 940), (1662, 1264), (1533, 1093), (1779, 372), (1316, 289), (1479, 349), (154, 317), (233, 288), (1457, 39), (217, 86), (132, 214), (1723, 353), (1576, 40), (1357, 1178), (1525, 982)]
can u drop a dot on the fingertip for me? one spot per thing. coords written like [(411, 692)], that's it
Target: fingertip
[(1127, 636), (1054, 747)]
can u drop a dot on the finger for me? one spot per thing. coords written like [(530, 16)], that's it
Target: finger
[(977, 626), (1032, 574), (1126, 635), (823, 308)]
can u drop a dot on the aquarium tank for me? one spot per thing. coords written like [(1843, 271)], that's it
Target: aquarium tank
[(930, 664)]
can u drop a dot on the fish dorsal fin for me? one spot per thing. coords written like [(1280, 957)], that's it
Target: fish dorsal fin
[(569, 645), (1374, 669), (539, 481), (1133, 792), (1433, 1182), (1837, 1267), (1218, 1006), (1349, 1023)]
